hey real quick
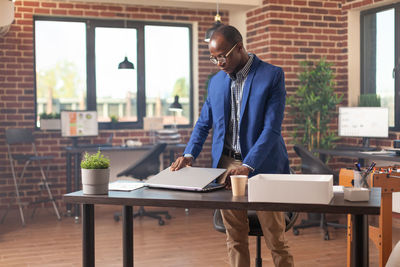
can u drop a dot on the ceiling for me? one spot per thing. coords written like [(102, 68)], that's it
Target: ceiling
[(202, 4)]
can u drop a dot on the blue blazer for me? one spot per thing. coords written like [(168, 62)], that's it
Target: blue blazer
[(261, 115)]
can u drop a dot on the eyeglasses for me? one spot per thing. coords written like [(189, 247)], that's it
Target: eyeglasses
[(222, 59)]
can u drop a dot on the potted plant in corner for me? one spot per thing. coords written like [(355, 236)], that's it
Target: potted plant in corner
[(313, 106), (50, 121), (95, 173)]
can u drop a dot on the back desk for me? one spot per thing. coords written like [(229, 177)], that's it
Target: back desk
[(73, 154)]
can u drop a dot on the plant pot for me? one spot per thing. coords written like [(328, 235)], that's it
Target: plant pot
[(95, 181), (50, 124)]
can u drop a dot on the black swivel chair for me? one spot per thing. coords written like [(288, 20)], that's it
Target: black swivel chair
[(18, 139), (313, 165), (147, 166), (255, 228)]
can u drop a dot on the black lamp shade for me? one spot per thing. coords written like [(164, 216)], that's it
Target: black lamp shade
[(126, 64), (211, 30), (176, 106)]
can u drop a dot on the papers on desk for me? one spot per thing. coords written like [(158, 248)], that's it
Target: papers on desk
[(124, 185), (338, 189)]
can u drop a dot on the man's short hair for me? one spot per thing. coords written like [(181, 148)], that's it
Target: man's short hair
[(230, 33)]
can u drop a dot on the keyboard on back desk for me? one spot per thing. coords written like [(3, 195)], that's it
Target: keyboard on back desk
[(356, 148), (92, 145)]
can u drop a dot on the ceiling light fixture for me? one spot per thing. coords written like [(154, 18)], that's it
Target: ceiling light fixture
[(216, 24), (126, 64)]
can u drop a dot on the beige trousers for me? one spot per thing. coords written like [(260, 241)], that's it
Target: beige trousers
[(237, 229)]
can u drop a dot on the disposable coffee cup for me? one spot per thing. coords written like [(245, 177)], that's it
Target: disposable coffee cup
[(238, 183)]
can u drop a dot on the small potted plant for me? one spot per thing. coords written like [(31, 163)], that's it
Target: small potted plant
[(50, 121), (95, 173), (114, 121)]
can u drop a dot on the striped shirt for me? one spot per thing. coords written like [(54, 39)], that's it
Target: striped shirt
[(232, 140)]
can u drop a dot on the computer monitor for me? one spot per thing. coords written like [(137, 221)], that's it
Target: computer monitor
[(79, 123), (364, 122)]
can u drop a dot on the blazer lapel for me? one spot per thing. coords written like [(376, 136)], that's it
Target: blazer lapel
[(227, 99), (247, 86)]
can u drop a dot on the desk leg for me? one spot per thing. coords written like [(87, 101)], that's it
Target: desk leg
[(88, 235), (69, 184), (127, 236), (359, 246), (77, 183)]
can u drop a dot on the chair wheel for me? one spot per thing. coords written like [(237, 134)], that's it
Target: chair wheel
[(116, 218), (296, 232), (168, 217), (161, 222), (326, 236)]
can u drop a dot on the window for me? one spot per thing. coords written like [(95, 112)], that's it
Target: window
[(60, 66), (380, 58), (77, 69), (116, 89), (169, 62)]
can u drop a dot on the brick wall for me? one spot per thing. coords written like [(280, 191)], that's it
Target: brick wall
[(282, 32), (17, 84), (286, 32)]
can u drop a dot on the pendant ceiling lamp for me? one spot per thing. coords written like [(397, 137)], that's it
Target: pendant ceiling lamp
[(176, 106), (126, 64), (216, 24)]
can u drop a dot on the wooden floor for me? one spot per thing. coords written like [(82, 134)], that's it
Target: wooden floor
[(185, 240)]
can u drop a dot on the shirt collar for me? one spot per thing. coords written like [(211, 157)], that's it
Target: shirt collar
[(241, 74)]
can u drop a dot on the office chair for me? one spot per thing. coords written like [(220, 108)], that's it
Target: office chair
[(255, 228), (313, 165), (147, 166), (23, 136)]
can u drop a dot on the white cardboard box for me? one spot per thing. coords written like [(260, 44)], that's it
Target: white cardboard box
[(291, 188)]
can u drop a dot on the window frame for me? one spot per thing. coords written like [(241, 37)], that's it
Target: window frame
[(91, 24), (396, 8)]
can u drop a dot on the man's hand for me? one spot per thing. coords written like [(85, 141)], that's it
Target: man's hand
[(241, 170), (181, 162)]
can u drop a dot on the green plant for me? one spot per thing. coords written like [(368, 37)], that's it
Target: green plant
[(313, 106), (369, 100), (114, 119), (46, 116), (95, 161)]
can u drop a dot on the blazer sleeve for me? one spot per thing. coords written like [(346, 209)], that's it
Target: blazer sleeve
[(273, 118), (201, 130)]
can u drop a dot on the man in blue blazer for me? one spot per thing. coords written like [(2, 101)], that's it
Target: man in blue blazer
[(244, 107)]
